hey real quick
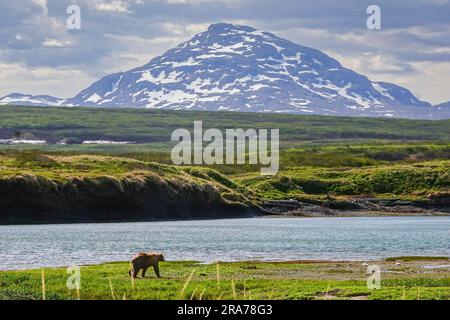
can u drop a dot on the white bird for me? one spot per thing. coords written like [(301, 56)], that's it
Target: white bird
[(365, 264), (397, 264)]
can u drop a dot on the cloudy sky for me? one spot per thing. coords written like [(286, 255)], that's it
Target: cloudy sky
[(39, 55)]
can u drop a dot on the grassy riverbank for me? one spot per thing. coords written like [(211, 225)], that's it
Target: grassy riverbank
[(409, 181), (39, 187), (413, 279), (329, 165)]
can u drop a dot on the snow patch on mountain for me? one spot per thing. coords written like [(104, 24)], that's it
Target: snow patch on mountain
[(30, 100)]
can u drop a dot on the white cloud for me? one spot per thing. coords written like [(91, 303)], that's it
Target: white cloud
[(54, 81), (54, 43), (41, 3), (431, 82), (113, 6), (382, 64)]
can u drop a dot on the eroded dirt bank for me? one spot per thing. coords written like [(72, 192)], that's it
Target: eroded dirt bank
[(29, 199)]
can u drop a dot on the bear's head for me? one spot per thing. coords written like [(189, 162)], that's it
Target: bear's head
[(161, 257)]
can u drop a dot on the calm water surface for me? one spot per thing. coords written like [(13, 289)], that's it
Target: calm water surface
[(226, 240)]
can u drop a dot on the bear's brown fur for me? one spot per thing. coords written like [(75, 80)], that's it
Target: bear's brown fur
[(144, 261)]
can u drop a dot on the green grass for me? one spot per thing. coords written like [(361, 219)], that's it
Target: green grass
[(243, 280), (415, 180), (415, 258), (324, 156), (411, 181), (315, 141), (156, 126), (62, 168)]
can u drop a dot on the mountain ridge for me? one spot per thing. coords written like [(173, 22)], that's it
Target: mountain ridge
[(31, 100), (240, 68), (442, 105)]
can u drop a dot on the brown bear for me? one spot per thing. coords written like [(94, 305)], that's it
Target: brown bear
[(144, 261)]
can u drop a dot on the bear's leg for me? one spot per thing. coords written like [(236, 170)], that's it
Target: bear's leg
[(156, 268), (143, 272), (135, 272)]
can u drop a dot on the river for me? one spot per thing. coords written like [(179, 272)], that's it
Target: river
[(353, 238)]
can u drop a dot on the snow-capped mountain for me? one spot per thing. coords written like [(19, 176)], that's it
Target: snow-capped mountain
[(239, 68), (441, 111), (30, 100), (442, 106)]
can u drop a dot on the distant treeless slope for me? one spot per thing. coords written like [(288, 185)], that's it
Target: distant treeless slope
[(55, 124)]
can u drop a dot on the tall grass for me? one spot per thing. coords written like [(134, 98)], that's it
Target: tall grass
[(44, 290)]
